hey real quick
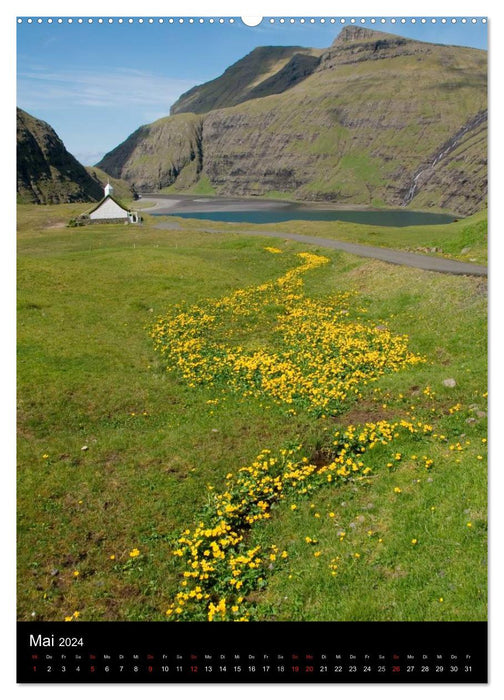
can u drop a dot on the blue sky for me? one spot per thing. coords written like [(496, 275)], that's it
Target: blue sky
[(96, 83)]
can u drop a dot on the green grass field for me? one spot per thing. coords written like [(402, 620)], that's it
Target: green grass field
[(116, 452), (464, 239)]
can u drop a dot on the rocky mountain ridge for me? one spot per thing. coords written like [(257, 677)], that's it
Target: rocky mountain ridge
[(248, 78), (46, 172)]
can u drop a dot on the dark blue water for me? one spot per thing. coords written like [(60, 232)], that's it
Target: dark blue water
[(397, 217)]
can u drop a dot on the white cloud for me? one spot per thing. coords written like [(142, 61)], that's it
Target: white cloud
[(112, 87)]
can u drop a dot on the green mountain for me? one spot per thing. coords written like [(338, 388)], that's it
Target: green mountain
[(376, 120), (266, 70), (156, 155), (46, 172)]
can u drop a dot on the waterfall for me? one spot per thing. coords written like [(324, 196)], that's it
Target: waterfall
[(447, 148)]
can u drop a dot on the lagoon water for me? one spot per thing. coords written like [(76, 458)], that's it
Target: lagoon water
[(375, 218), (264, 211)]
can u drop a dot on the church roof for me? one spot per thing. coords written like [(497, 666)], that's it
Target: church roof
[(108, 196)]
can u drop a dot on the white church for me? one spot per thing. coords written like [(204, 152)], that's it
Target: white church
[(111, 211)]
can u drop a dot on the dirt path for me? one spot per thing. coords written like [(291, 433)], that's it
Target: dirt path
[(390, 255)]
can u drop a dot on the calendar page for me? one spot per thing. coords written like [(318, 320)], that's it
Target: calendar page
[(252, 349)]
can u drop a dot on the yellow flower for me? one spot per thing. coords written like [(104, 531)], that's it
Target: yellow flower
[(293, 506), (397, 489), (45, 456), (414, 541), (134, 552), (76, 573), (270, 249), (469, 524), (112, 556), (317, 554)]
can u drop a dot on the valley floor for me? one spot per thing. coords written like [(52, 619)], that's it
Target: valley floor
[(330, 409)]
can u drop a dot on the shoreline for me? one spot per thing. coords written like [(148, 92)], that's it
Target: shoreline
[(182, 203), (199, 203)]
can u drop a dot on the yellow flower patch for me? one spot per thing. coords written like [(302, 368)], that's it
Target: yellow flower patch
[(318, 357), (220, 566)]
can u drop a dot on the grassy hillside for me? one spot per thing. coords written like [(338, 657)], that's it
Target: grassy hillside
[(111, 471), (379, 121)]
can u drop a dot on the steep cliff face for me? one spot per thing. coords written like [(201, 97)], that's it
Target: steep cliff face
[(46, 172), (376, 119), (356, 44)]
